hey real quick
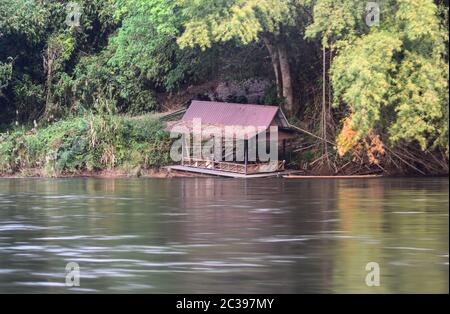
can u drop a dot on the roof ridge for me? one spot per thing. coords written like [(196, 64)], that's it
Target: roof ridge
[(233, 103)]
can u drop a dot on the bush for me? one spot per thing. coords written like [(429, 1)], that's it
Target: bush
[(86, 143)]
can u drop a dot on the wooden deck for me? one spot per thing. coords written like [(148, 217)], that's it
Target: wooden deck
[(240, 168), (229, 174)]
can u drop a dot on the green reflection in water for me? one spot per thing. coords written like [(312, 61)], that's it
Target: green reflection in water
[(403, 229)]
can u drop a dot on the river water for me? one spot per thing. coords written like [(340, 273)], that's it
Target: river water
[(212, 235)]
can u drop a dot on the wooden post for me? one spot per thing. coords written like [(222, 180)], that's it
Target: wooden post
[(246, 154), (182, 148), (284, 149), (185, 148)]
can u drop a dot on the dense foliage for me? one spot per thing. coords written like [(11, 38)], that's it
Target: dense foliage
[(388, 83), (86, 144), (394, 77)]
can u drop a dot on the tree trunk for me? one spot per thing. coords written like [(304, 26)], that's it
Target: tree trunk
[(48, 66), (48, 101), (274, 56), (324, 101), (280, 62), (288, 92)]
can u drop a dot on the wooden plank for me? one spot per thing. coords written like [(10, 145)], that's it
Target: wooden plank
[(368, 176)]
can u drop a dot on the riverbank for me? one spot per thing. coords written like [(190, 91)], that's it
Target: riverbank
[(105, 174), (108, 145), (113, 146)]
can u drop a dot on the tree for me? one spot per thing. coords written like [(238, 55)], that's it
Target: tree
[(59, 49), (207, 22), (45, 49), (393, 77), (146, 42)]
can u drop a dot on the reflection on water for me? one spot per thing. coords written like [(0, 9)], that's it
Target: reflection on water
[(210, 235)]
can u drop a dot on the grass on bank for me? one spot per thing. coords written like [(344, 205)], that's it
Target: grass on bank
[(89, 143)]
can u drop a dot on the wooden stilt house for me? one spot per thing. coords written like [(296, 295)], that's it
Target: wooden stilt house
[(251, 126)]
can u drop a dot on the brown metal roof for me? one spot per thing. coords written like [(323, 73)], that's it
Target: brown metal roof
[(222, 113)]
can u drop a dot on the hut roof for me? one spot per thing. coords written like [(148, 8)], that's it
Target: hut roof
[(230, 114), (215, 116)]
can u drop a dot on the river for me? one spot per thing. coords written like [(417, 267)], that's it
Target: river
[(212, 235)]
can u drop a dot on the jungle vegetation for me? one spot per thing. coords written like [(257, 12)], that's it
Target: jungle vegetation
[(373, 89)]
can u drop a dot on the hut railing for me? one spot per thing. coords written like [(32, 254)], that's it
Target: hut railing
[(252, 168)]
